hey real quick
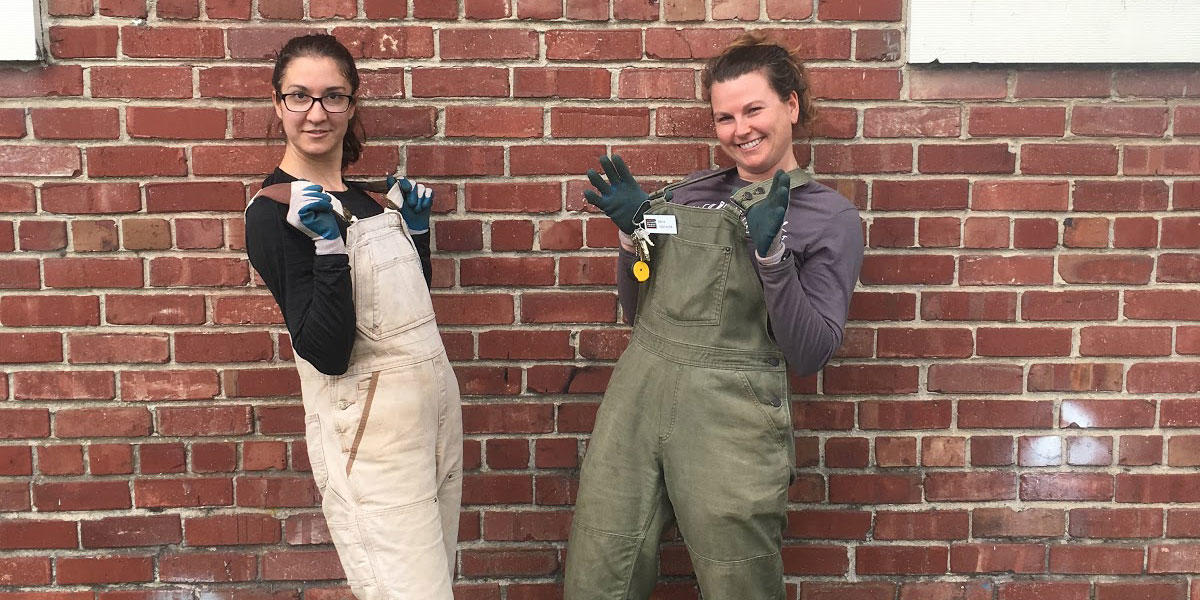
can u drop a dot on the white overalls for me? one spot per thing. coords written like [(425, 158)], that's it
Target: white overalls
[(385, 438)]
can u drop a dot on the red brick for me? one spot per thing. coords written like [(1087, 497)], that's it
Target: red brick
[(1029, 522), (1102, 560), (209, 420), (663, 43), (27, 311), (104, 569), (883, 560), (1128, 121), (183, 492), (876, 44), (957, 83), (81, 495), (117, 348), (226, 530), (70, 8), (171, 42), (970, 486), (862, 158), (488, 43), (223, 347), (958, 158), (997, 558), (854, 10), (854, 84), (1125, 341), (969, 306), (42, 236), (643, 83), (83, 42), (141, 82), (1020, 195), (1075, 377), (574, 122), (1017, 121), (131, 531), (893, 122), (291, 565), (175, 123), (1107, 414), (563, 82), (39, 161), (195, 196), (1002, 270), (429, 82), (75, 123), (49, 80), (1005, 414), (929, 194), (1077, 82), (870, 379), (1066, 486), (37, 534), (504, 562), (500, 122), (177, 9), (195, 567), (235, 82)]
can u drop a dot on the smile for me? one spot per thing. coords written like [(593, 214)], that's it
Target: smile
[(750, 145)]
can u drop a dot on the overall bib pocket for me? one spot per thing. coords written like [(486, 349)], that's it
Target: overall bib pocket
[(691, 287), (386, 272)]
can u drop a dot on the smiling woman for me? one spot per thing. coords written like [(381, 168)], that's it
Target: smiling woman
[(741, 274), (383, 426)]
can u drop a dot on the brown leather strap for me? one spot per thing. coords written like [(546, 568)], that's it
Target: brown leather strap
[(279, 192), (362, 421)]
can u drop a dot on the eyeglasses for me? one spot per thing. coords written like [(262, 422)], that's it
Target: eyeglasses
[(333, 103)]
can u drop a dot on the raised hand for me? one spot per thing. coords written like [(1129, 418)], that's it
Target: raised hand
[(765, 218), (620, 197), (311, 211), (415, 201)]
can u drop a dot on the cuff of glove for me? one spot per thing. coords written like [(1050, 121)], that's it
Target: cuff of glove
[(334, 246), (414, 231), (773, 256)]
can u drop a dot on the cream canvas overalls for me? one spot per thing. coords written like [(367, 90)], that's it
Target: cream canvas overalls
[(695, 426), (385, 438)]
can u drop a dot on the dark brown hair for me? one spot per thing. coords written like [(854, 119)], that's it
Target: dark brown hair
[(324, 45), (754, 52)]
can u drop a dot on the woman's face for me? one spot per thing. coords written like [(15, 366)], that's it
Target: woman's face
[(754, 127), (314, 133)]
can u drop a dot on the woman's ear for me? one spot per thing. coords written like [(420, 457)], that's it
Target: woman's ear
[(277, 102), (793, 103)]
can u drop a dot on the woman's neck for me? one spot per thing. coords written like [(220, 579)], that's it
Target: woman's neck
[(325, 171)]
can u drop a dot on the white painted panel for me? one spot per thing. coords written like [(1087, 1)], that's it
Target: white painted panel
[(1053, 31), (18, 29)]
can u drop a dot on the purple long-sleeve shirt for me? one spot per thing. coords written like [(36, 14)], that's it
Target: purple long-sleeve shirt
[(808, 291)]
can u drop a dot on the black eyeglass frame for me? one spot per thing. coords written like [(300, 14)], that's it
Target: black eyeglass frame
[(317, 100)]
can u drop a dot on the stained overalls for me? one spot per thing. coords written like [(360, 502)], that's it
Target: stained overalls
[(695, 425), (385, 438)]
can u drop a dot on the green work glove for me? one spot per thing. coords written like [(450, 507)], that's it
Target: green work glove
[(620, 197), (765, 219)]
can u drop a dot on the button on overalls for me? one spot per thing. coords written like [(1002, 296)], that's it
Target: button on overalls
[(385, 438), (695, 425)]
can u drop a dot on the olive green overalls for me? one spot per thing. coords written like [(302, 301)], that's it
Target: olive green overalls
[(695, 425)]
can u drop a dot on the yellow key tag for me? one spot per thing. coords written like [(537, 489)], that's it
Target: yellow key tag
[(641, 271)]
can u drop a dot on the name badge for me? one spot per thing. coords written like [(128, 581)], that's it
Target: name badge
[(660, 224)]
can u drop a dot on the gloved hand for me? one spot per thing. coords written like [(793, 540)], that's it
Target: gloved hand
[(311, 212), (765, 218), (415, 202), (620, 197)]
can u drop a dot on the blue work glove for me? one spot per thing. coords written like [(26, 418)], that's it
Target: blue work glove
[(765, 218), (311, 211), (621, 198), (414, 200)]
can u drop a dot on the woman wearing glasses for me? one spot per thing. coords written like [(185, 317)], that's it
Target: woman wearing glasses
[(381, 404)]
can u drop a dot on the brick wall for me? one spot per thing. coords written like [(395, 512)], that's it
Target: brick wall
[(1015, 413)]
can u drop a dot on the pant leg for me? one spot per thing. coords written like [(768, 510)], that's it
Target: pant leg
[(381, 502), (727, 468), (449, 458), (621, 509)]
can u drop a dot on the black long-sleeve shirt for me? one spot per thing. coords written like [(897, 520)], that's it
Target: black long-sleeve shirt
[(314, 292)]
